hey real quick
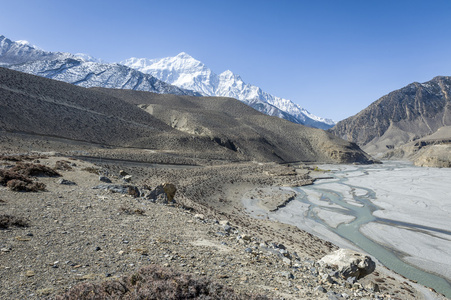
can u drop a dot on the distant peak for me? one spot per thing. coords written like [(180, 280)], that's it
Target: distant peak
[(184, 55), (23, 42)]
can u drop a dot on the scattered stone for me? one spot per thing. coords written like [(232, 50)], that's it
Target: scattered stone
[(320, 289), (5, 249), (119, 188), (224, 223), (66, 182), (373, 287), (104, 179), (29, 273), (127, 178), (349, 263), (97, 249), (246, 237), (199, 216), (287, 274), (123, 173)]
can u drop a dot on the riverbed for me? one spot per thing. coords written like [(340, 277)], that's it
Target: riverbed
[(398, 213)]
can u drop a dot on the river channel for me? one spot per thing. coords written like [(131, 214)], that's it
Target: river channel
[(398, 213)]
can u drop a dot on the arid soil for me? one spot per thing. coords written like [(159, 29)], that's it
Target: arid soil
[(78, 234)]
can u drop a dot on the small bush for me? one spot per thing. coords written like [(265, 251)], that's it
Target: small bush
[(28, 169), (91, 170), (130, 211), (19, 182), (7, 221), (154, 282), (63, 165), (22, 186), (7, 175)]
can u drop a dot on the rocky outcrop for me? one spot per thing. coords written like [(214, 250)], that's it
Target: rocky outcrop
[(404, 115), (349, 263)]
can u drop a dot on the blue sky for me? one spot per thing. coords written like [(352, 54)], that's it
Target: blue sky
[(332, 57)]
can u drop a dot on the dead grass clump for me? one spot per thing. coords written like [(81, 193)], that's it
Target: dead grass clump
[(7, 221), (91, 170), (19, 182), (20, 157), (63, 165), (131, 211), (28, 169), (154, 282), (22, 186)]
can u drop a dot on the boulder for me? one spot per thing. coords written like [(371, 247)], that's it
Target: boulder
[(349, 263), (104, 179), (163, 193), (170, 190)]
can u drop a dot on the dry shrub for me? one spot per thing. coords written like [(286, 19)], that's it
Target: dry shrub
[(20, 157), (63, 165), (91, 170), (154, 282), (22, 186), (28, 169), (131, 211), (6, 221), (19, 182), (7, 175)]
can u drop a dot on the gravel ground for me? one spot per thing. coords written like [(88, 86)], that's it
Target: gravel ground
[(78, 234)]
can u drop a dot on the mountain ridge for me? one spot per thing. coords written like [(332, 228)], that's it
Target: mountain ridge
[(79, 69), (186, 72), (413, 112)]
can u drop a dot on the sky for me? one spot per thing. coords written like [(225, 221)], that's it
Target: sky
[(333, 58)]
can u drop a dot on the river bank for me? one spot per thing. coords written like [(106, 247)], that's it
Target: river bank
[(398, 213)]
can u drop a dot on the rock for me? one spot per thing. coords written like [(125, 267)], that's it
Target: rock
[(104, 179), (224, 223), (29, 273), (123, 173), (199, 216), (374, 287), (227, 228), (127, 178), (349, 263), (162, 193), (287, 274), (170, 191), (66, 182), (119, 188), (320, 289), (246, 237)]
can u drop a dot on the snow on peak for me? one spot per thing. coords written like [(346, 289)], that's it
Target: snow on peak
[(184, 55), (23, 42), (186, 72)]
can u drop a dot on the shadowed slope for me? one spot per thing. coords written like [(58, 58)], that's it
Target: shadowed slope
[(242, 129)]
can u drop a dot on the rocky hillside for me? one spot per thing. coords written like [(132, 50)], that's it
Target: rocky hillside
[(79, 69), (213, 128), (405, 115)]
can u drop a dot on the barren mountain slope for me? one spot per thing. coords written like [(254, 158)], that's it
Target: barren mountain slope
[(239, 128), (407, 114)]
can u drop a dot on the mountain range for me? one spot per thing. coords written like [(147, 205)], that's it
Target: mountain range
[(186, 72), (179, 75), (176, 126)]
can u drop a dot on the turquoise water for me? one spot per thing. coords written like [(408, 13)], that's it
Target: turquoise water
[(363, 215)]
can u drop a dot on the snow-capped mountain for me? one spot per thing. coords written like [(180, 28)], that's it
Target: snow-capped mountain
[(186, 72), (80, 69)]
